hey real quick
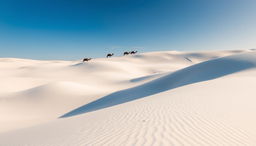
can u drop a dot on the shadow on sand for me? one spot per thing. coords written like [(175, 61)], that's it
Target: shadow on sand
[(196, 73)]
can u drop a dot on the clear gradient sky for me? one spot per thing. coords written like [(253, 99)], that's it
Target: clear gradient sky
[(72, 29)]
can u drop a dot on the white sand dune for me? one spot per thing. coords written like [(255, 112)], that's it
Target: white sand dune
[(156, 98)]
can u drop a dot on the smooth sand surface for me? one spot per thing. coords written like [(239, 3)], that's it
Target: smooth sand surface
[(155, 98)]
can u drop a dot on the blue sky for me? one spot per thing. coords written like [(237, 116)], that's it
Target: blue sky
[(73, 29)]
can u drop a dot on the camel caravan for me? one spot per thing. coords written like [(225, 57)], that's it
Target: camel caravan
[(132, 52), (112, 54)]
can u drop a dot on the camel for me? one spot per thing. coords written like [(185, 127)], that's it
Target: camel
[(133, 52), (86, 59), (110, 55), (126, 53)]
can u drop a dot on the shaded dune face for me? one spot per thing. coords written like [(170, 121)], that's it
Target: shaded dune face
[(196, 73)]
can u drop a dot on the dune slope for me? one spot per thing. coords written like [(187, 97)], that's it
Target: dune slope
[(196, 73)]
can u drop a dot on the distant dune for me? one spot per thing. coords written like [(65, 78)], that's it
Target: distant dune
[(155, 98)]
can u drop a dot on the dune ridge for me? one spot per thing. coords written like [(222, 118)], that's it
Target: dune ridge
[(196, 73)]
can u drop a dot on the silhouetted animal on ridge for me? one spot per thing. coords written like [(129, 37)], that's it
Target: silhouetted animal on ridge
[(87, 59), (133, 52), (126, 53), (110, 55)]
